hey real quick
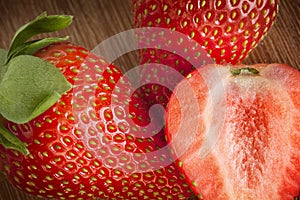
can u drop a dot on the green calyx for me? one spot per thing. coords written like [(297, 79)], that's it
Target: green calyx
[(29, 85), (246, 70)]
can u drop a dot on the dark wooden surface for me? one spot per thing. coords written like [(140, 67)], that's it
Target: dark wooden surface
[(97, 20)]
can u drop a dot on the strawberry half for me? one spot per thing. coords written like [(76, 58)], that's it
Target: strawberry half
[(235, 131), (89, 142)]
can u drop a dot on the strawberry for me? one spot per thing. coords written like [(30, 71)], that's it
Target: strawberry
[(235, 131), (227, 29), (212, 31), (86, 142)]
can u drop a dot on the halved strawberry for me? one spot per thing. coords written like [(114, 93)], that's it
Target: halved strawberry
[(235, 131), (87, 144)]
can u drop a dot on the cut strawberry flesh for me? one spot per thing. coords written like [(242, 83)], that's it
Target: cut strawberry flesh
[(256, 154)]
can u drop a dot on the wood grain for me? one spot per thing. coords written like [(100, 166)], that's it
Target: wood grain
[(97, 20)]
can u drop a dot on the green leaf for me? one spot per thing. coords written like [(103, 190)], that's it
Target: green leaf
[(31, 47), (29, 87), (42, 24), (2, 57), (10, 141)]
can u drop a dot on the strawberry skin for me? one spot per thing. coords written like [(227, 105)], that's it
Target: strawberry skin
[(227, 29), (85, 146)]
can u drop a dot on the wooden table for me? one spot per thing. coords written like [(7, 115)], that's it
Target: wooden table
[(97, 20)]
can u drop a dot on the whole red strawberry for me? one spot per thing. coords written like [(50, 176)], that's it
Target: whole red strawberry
[(225, 31), (235, 131), (88, 142)]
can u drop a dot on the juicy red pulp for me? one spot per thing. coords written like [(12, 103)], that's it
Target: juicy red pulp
[(255, 154), (250, 138)]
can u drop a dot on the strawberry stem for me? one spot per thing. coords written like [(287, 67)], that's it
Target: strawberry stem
[(246, 70)]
